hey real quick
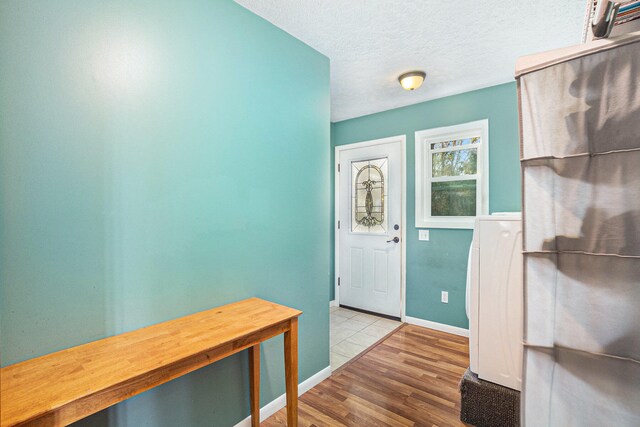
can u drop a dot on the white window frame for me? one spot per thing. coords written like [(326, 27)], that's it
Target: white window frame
[(423, 141)]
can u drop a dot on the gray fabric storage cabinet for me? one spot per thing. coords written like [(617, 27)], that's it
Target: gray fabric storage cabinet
[(580, 148)]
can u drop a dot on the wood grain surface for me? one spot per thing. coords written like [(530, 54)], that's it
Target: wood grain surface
[(68, 385), (409, 379)]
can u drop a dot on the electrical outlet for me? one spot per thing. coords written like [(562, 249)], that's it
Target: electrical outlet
[(444, 297), (423, 235)]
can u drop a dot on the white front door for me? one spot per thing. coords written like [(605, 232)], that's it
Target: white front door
[(370, 227)]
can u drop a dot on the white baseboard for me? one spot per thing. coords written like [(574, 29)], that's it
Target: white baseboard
[(333, 303), (274, 406), (437, 326)]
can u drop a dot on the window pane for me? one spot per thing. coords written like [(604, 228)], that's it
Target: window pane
[(454, 163), (368, 207), (453, 198), (455, 143)]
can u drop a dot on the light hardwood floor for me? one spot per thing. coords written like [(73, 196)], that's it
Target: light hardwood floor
[(409, 379)]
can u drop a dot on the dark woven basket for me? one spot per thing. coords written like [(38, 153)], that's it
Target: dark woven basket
[(485, 404)]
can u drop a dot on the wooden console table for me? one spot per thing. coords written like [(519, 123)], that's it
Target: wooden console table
[(63, 387)]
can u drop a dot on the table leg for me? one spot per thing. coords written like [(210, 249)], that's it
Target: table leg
[(254, 384), (291, 372)]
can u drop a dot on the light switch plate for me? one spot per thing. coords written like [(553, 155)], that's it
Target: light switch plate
[(423, 235), (444, 297)]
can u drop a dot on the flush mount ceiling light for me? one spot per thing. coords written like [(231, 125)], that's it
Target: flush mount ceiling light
[(412, 80)]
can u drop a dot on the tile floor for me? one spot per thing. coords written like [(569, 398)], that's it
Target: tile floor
[(352, 332)]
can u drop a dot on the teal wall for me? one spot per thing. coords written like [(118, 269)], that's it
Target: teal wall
[(158, 158), (441, 263)]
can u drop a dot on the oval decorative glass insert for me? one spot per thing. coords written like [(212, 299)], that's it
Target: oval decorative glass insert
[(368, 196)]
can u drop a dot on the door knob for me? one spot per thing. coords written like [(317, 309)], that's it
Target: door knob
[(394, 240)]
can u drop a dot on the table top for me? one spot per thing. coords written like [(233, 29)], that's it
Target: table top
[(37, 386)]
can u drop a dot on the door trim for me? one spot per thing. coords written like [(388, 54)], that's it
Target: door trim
[(402, 139)]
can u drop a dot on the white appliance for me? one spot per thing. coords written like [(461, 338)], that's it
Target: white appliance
[(495, 299)]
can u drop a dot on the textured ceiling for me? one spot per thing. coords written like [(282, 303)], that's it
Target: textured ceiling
[(461, 44)]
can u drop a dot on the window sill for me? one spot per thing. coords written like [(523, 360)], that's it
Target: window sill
[(454, 223)]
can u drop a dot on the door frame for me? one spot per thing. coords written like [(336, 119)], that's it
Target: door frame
[(402, 139)]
